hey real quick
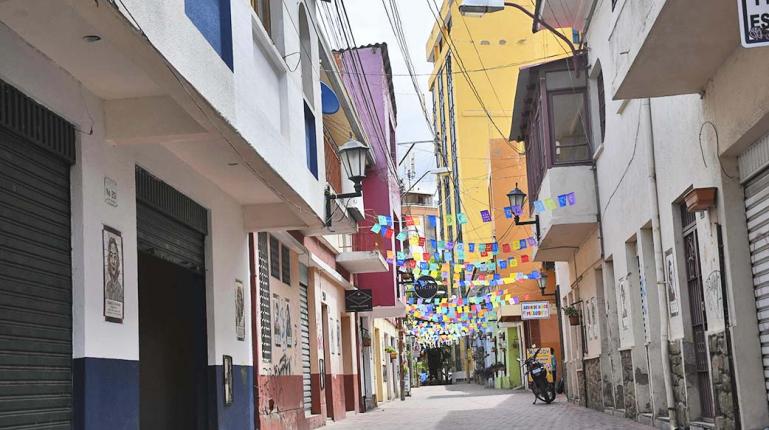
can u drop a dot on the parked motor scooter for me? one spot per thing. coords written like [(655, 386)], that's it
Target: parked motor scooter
[(539, 385)]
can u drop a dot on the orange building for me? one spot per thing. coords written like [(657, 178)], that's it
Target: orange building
[(508, 169)]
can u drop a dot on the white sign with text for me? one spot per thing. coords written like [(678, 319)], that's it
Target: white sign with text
[(754, 22)]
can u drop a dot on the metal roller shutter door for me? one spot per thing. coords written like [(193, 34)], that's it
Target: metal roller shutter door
[(306, 381), (170, 225), (757, 210), (35, 285)]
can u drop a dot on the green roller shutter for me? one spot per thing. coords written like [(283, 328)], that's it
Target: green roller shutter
[(36, 149)]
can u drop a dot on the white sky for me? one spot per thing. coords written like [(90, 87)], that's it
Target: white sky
[(370, 25)]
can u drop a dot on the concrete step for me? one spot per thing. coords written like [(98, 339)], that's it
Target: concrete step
[(701, 425)]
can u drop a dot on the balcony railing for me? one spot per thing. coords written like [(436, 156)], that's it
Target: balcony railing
[(365, 240)]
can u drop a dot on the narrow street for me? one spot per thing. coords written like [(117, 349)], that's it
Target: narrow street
[(469, 406)]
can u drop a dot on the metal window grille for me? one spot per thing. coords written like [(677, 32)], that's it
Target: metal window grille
[(285, 264), (264, 297), (274, 257)]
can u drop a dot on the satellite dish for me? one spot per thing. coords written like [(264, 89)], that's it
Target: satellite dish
[(329, 100)]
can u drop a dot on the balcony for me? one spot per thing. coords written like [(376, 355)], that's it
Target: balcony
[(551, 117), (566, 228), (363, 254), (670, 47)]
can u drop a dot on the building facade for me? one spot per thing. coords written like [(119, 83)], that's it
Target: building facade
[(663, 145), (163, 265), (368, 77), (475, 64)]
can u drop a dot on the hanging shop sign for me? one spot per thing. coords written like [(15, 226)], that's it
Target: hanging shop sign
[(426, 287), (535, 310), (754, 23), (358, 301)]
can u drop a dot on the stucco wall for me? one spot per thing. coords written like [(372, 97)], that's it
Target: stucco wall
[(93, 337), (246, 103), (686, 149)]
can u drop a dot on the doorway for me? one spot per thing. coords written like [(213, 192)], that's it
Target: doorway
[(697, 310), (173, 354), (172, 346), (327, 370)]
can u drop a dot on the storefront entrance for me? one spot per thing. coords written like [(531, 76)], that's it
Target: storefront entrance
[(35, 265), (173, 364)]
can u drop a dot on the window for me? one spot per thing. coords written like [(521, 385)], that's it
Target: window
[(285, 264), (274, 257), (280, 261), (213, 19), (311, 143), (305, 55), (568, 127), (262, 9), (601, 104)]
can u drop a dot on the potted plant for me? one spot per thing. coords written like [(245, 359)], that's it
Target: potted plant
[(365, 340), (573, 314), (393, 353)]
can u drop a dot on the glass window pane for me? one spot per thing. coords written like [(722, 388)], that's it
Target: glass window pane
[(568, 128), (565, 80)]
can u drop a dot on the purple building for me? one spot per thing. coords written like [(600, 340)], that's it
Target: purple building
[(367, 77)]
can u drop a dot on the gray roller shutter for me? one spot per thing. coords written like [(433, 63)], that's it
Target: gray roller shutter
[(305, 314), (757, 210), (36, 149), (170, 225)]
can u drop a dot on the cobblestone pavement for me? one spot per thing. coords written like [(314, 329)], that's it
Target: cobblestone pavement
[(467, 406)]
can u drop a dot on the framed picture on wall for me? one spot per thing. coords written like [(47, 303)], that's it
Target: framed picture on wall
[(671, 280), (114, 294), (322, 373), (240, 315), (227, 378)]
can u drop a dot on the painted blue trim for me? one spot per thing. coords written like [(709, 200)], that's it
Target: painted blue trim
[(105, 394), (240, 414), (311, 141), (214, 20)]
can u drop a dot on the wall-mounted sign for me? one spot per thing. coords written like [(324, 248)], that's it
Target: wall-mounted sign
[(110, 191), (754, 23), (535, 310), (227, 379), (240, 311), (426, 287), (112, 246), (358, 301)]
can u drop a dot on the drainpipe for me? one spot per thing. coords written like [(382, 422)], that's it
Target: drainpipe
[(658, 262)]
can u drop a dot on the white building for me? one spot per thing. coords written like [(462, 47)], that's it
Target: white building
[(140, 143), (659, 130)]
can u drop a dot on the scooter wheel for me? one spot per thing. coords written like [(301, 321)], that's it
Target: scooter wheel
[(549, 396)]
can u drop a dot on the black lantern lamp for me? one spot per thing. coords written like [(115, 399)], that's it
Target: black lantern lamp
[(542, 283), (517, 198), (353, 155)]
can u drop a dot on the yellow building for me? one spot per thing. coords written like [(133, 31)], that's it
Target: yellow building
[(476, 63)]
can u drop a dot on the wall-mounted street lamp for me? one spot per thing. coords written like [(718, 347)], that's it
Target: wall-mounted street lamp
[(517, 198), (542, 284), (353, 155)]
